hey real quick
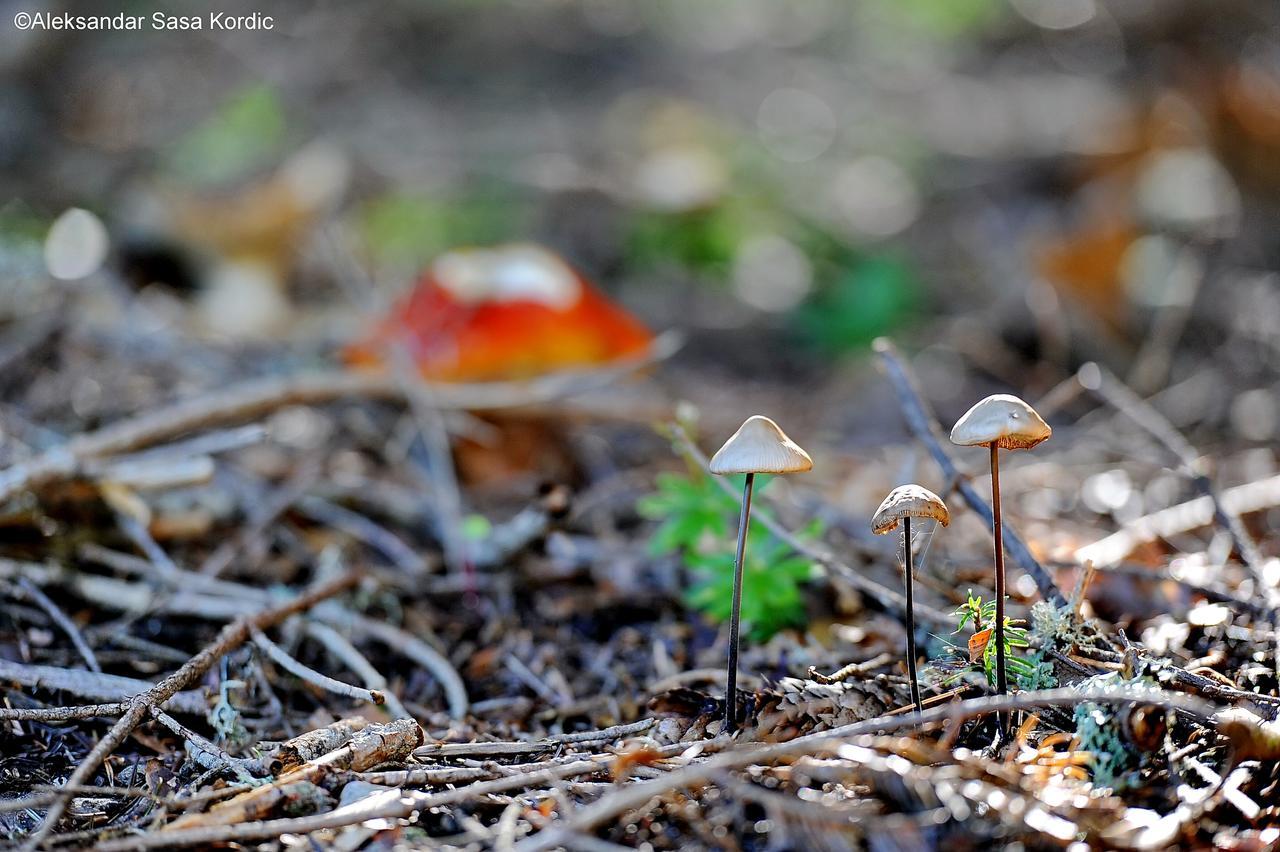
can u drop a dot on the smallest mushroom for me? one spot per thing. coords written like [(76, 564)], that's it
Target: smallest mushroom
[(904, 503)]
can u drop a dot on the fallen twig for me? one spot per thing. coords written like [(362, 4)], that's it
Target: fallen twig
[(283, 659), (1169, 522), (1099, 380), (95, 685), (633, 796), (254, 398), (60, 618), (335, 643), (219, 757), (232, 636)]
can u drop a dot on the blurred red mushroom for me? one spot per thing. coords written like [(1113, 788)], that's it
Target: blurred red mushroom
[(506, 312)]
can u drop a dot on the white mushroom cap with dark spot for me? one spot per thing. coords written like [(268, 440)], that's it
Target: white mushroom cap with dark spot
[(1002, 419), (760, 446), (908, 501)]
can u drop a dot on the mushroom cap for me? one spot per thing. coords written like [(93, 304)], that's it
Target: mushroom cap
[(1002, 419), (908, 501), (760, 446)]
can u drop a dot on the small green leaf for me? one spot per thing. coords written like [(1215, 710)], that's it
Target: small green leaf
[(243, 135)]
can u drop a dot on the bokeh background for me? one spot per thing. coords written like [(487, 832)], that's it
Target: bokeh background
[(1009, 187)]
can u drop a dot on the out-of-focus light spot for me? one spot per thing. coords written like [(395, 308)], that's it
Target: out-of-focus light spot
[(1055, 14), (875, 197), (1057, 113), (715, 26), (299, 427), (1187, 189), (1271, 572), (86, 397), (679, 178), (1208, 615), (1253, 415), (1165, 634), (1105, 492), (1158, 273), (771, 273), (317, 175), (1163, 490), (76, 245), (968, 117), (796, 125), (243, 299)]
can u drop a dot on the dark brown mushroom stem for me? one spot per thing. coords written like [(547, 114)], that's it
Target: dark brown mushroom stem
[(731, 681), (908, 558), (997, 536)]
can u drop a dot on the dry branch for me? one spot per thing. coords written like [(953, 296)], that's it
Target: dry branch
[(634, 796), (367, 747), (232, 636), (254, 398), (86, 684), (283, 659)]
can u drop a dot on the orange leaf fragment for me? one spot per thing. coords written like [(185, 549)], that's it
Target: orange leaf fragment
[(978, 644)]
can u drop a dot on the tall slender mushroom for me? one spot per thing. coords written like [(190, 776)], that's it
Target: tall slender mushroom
[(1001, 422), (759, 446), (904, 503)]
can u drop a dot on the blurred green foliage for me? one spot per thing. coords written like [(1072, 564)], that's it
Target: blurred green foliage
[(858, 294), (944, 19), (691, 509), (409, 229), (694, 512), (702, 242), (866, 297), (245, 133)]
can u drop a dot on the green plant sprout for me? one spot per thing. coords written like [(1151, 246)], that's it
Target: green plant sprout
[(693, 512), (982, 615)]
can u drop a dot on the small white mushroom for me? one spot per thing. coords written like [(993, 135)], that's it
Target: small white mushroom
[(759, 446), (904, 503), (1001, 422)]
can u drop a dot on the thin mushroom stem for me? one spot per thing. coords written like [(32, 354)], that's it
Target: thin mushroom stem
[(731, 687), (997, 536), (909, 560)]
